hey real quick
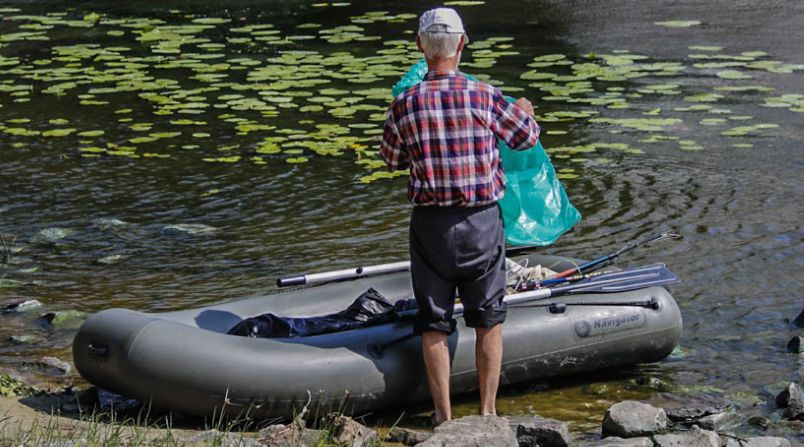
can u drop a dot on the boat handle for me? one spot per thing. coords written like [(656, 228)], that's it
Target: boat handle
[(98, 350)]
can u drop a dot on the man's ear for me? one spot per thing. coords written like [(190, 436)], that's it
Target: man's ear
[(462, 43), (419, 44)]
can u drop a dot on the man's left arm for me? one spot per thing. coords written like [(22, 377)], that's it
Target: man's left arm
[(514, 123)]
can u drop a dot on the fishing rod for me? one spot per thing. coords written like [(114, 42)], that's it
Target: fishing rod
[(393, 267), (597, 263), (357, 272), (606, 282)]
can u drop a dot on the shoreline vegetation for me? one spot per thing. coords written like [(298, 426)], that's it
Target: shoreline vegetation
[(69, 417)]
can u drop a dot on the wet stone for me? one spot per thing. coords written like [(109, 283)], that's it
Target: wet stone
[(23, 339), (50, 366), (691, 414), (407, 436), (630, 419), (693, 438), (20, 305), (540, 432), (471, 431), (64, 318), (615, 441), (795, 344), (188, 230), (792, 401), (105, 223), (759, 441), (759, 421), (52, 235), (799, 321), (718, 421)]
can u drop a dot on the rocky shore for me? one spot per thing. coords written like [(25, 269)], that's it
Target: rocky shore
[(30, 409)]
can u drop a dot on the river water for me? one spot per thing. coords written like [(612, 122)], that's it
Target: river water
[(260, 120)]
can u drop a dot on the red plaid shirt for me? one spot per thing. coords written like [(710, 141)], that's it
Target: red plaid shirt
[(445, 130)]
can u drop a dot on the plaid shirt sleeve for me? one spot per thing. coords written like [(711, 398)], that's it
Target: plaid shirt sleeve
[(513, 125), (392, 147)]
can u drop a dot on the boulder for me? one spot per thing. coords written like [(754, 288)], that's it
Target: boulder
[(472, 431), (795, 344), (718, 421), (630, 419), (188, 230), (693, 438), (20, 305), (759, 441), (66, 319), (760, 422), (23, 339), (688, 415), (614, 441), (346, 431), (52, 235), (50, 366), (407, 436), (792, 401), (291, 435), (799, 321), (221, 439), (536, 431)]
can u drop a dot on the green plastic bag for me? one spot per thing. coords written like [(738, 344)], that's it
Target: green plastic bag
[(535, 208)]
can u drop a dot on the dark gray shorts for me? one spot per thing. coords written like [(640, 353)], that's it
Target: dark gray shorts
[(459, 248)]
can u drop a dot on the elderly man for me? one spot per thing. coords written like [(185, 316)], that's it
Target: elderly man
[(445, 131)]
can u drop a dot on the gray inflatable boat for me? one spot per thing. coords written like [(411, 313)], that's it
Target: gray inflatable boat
[(185, 361)]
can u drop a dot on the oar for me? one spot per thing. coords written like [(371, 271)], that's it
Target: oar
[(583, 268), (357, 272), (620, 281), (337, 275)]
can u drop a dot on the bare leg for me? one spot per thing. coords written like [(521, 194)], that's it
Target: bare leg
[(488, 356), (436, 359)]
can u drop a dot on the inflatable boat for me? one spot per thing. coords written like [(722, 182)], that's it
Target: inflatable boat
[(185, 361)]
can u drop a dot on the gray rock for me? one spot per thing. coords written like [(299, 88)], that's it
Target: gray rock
[(50, 366), (51, 235), (291, 435), (112, 259), (188, 229), (693, 438), (221, 439), (653, 383), (473, 431), (614, 441), (23, 339), (792, 401), (759, 421), (718, 421), (630, 419), (347, 431), (691, 414), (407, 436), (795, 344), (799, 321), (65, 319), (105, 223), (20, 305), (759, 441), (537, 431)]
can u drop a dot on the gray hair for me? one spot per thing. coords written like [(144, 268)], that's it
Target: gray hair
[(438, 44)]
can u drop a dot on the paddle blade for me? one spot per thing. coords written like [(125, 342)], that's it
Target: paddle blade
[(630, 279)]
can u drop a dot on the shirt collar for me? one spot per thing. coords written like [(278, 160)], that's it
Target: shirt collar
[(440, 74)]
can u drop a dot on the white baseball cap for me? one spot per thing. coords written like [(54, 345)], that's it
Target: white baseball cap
[(447, 17)]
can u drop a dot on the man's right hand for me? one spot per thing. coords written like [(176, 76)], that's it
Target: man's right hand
[(525, 105)]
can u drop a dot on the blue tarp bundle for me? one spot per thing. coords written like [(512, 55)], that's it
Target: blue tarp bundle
[(535, 208)]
